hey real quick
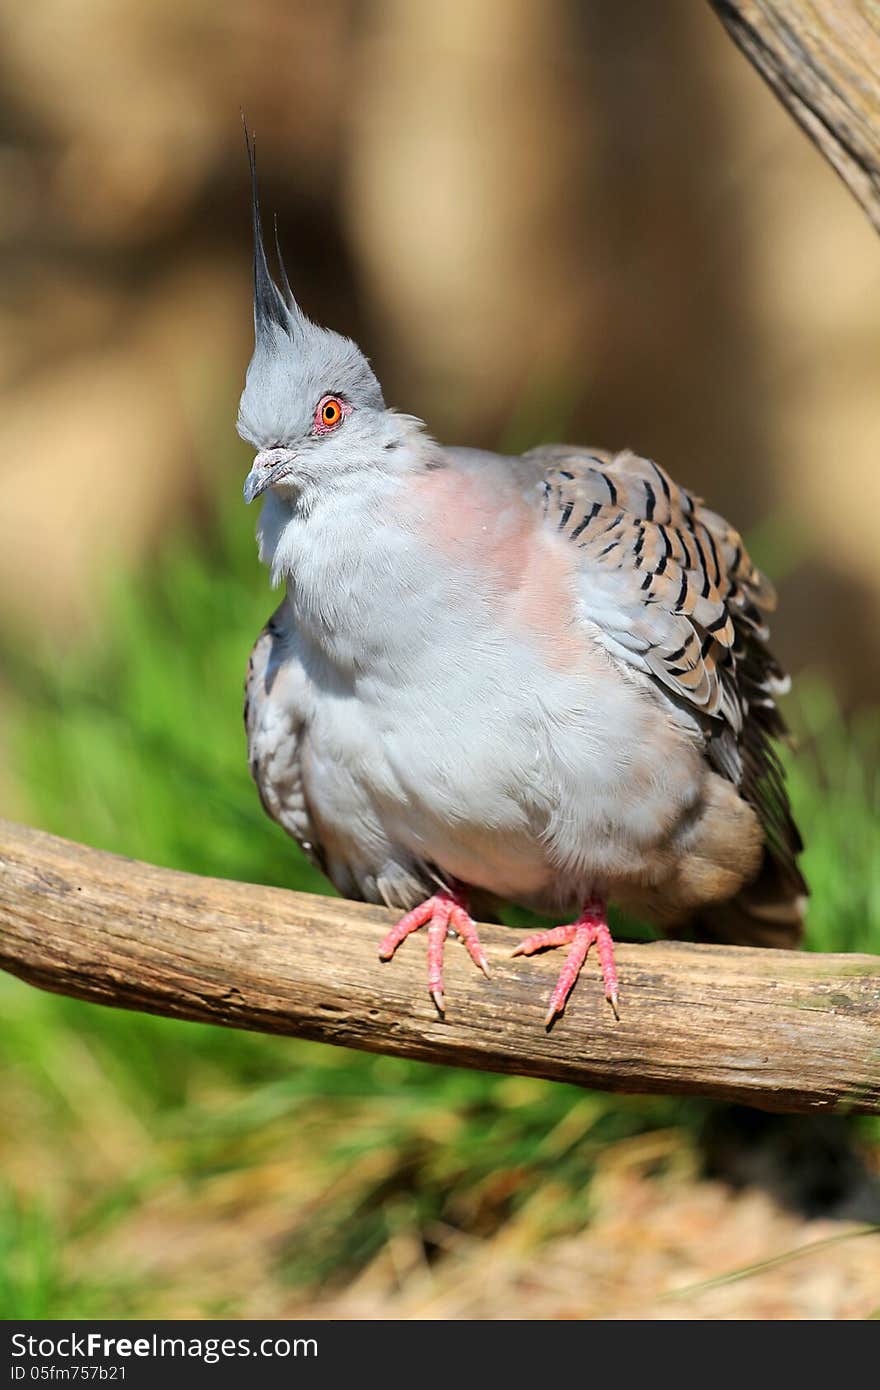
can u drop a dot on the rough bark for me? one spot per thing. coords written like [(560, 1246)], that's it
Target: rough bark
[(774, 1029), (822, 59)]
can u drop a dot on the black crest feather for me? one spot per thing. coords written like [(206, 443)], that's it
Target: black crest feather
[(269, 305)]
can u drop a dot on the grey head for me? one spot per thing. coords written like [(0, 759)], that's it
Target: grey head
[(311, 402)]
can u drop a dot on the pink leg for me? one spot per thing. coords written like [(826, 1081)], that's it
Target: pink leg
[(442, 912), (590, 926)]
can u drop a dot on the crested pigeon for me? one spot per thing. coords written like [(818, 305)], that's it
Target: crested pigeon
[(541, 680)]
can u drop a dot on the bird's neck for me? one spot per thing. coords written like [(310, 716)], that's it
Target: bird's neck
[(347, 570)]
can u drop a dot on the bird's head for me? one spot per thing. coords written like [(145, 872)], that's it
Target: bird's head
[(311, 404)]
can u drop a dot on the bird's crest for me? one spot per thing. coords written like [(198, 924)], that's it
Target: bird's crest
[(295, 361), (271, 305)]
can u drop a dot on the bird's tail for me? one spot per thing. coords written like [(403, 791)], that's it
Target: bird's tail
[(769, 912)]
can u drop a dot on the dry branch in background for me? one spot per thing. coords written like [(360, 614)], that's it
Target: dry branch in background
[(822, 59), (774, 1029)]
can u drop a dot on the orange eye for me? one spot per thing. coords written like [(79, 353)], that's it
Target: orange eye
[(329, 412)]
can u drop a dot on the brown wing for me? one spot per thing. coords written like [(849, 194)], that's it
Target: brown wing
[(671, 589)]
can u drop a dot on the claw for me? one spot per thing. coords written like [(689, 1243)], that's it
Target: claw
[(443, 912), (590, 927), (464, 925)]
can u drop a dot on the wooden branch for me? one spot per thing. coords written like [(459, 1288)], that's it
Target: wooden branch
[(774, 1029), (822, 59)]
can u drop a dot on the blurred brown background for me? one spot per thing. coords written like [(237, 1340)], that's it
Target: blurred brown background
[(539, 219)]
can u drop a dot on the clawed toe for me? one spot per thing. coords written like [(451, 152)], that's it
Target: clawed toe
[(442, 913), (446, 912), (590, 927)]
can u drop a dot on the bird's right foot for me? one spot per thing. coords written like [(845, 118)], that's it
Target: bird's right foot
[(444, 912)]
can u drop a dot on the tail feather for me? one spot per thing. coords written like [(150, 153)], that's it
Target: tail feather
[(770, 911)]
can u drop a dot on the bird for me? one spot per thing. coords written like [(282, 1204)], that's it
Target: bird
[(540, 680)]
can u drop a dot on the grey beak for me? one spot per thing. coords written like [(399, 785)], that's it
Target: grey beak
[(268, 467)]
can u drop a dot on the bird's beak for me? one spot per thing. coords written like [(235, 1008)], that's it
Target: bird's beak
[(269, 467)]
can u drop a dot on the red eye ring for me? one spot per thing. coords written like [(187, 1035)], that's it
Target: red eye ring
[(330, 412)]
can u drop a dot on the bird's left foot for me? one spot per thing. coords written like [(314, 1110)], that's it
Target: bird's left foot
[(442, 913), (592, 925)]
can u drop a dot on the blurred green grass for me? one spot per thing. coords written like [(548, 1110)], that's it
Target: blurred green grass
[(130, 1145)]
